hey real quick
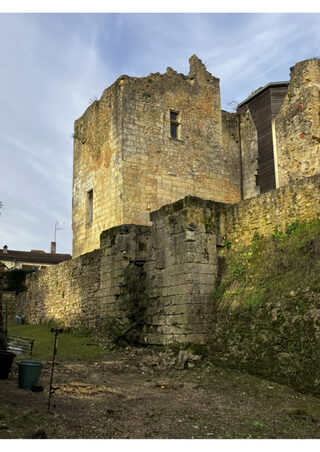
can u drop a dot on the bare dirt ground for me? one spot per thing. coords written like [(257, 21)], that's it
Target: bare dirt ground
[(139, 393)]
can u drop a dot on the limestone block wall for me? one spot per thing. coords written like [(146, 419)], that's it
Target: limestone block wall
[(249, 154), (65, 293), (181, 272), (9, 303), (277, 208), (97, 168), (120, 246), (230, 153), (125, 154), (297, 124), (158, 169), (177, 255)]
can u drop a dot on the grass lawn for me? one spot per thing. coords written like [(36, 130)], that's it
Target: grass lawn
[(69, 346)]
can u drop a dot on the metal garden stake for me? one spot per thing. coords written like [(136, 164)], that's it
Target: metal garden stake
[(56, 333)]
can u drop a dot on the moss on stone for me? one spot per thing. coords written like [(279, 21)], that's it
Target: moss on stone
[(209, 225), (267, 308), (131, 305)]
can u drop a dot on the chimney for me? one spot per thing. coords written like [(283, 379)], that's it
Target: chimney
[(5, 249), (53, 248)]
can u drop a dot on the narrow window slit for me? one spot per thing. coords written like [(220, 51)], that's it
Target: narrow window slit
[(175, 125), (90, 205)]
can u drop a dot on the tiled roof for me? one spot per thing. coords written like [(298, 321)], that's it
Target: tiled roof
[(33, 256)]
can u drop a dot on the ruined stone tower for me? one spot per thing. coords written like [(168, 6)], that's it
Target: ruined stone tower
[(153, 140), (138, 153), (149, 142)]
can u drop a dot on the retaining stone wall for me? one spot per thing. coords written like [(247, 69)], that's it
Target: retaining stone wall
[(179, 258), (66, 293), (178, 255), (10, 298), (276, 208), (181, 272)]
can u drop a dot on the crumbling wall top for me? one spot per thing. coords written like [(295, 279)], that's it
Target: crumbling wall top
[(304, 74), (305, 64), (199, 71)]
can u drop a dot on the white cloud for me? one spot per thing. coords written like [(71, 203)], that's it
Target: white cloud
[(46, 77), (52, 65)]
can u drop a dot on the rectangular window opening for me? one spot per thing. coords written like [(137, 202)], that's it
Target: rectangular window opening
[(90, 206), (175, 125)]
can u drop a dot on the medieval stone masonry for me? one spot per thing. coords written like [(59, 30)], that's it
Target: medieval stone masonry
[(148, 142), (178, 255), (161, 177)]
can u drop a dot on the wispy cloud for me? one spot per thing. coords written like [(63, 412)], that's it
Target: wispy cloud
[(48, 72), (53, 64)]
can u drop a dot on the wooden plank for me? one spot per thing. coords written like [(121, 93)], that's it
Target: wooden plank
[(261, 112), (277, 95)]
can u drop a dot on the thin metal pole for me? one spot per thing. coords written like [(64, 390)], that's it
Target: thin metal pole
[(6, 331), (2, 339), (52, 367), (240, 154)]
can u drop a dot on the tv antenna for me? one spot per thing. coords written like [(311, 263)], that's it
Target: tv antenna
[(57, 227)]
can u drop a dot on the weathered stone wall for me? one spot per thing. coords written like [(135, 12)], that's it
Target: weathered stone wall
[(9, 299), (158, 169), (120, 246), (277, 208), (65, 293), (181, 272), (268, 308), (124, 151), (249, 154), (298, 124), (230, 153), (178, 256), (97, 167), (277, 340), (83, 292)]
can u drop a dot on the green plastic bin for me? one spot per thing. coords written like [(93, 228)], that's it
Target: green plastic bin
[(29, 373)]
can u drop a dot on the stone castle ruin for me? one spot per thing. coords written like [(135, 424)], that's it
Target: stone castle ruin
[(161, 178)]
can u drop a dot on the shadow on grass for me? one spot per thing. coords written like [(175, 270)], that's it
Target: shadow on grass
[(70, 346)]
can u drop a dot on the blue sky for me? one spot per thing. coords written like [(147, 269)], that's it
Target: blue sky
[(54, 65)]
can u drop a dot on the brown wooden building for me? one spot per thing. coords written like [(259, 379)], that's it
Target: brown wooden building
[(264, 104)]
